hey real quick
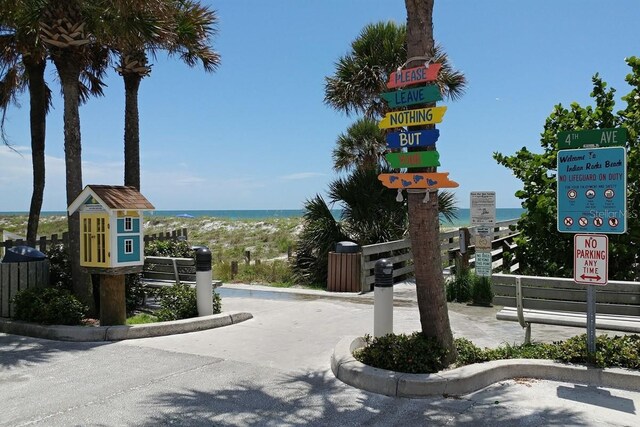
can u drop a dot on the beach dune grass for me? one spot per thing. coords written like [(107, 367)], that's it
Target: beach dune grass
[(269, 241)]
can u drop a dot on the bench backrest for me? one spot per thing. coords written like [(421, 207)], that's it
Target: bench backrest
[(162, 268), (560, 294)]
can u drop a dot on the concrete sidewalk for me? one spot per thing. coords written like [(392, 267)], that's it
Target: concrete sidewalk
[(274, 370)]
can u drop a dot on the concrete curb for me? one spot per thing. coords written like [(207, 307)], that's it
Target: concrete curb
[(118, 333), (467, 379)]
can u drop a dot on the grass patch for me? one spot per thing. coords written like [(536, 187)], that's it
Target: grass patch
[(418, 354), (142, 318)]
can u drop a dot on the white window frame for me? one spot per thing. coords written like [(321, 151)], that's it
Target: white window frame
[(128, 221), (128, 242)]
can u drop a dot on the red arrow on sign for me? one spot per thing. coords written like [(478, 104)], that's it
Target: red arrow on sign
[(585, 277)]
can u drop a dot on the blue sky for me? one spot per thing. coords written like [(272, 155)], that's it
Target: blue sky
[(256, 134)]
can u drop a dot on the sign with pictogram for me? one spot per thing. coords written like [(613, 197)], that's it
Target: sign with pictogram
[(591, 259), (592, 190)]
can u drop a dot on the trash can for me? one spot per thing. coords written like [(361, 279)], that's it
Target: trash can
[(344, 268), (22, 254)]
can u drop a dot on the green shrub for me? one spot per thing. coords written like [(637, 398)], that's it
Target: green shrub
[(180, 302), (59, 267), (459, 289), (48, 305), (171, 248), (412, 354), (135, 294), (416, 354), (481, 292)]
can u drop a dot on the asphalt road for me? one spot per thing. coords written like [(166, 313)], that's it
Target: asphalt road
[(274, 370)]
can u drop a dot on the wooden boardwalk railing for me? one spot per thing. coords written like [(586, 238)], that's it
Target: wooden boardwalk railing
[(399, 252)]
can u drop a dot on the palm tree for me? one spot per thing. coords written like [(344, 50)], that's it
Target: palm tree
[(77, 35), (362, 146), (23, 62), (360, 77), (423, 217), (192, 25), (362, 74)]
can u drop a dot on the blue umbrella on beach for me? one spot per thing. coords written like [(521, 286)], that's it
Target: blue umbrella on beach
[(185, 215)]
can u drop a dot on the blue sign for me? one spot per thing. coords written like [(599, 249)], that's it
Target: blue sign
[(420, 138), (592, 190)]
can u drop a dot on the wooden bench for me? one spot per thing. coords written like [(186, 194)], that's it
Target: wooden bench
[(562, 302), (167, 271)]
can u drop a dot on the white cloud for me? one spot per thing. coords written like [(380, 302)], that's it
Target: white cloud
[(301, 175)]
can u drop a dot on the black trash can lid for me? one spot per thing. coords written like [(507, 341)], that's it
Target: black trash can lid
[(347, 247), (22, 254)]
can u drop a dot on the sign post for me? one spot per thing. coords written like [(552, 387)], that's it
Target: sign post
[(591, 267), (592, 198), (483, 217)]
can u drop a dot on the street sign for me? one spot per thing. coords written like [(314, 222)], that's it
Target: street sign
[(592, 138), (413, 96), (421, 116), (483, 208), (412, 76), (483, 264), (420, 138), (591, 259), (418, 159), (592, 190), (417, 180)]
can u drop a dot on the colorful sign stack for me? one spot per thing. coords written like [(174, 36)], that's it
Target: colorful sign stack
[(417, 88)]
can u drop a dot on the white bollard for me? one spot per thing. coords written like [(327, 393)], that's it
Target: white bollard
[(204, 283), (383, 299)]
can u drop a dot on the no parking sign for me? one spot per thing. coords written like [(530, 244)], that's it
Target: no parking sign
[(591, 259)]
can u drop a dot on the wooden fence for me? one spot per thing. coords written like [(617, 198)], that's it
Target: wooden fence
[(42, 243), (399, 253), (15, 277), (45, 242)]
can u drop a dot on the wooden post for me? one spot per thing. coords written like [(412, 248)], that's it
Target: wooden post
[(234, 268), (113, 310), (247, 257), (462, 257)]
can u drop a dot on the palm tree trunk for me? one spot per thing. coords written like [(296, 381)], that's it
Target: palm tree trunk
[(424, 224), (38, 120), (69, 74), (131, 131)]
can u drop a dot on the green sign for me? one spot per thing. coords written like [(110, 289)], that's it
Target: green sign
[(592, 138), (419, 159), (418, 95)]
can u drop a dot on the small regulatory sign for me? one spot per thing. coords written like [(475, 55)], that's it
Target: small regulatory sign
[(483, 264), (591, 259)]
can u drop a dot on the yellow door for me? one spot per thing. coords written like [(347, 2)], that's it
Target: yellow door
[(94, 241)]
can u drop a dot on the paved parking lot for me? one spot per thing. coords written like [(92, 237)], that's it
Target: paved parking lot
[(274, 370)]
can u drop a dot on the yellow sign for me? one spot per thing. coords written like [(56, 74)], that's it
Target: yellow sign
[(421, 116)]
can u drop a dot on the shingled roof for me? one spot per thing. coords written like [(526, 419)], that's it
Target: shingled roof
[(114, 197), (121, 197)]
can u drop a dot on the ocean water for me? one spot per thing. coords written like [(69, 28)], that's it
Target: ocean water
[(502, 214)]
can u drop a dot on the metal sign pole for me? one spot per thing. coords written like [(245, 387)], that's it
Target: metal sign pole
[(591, 319)]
